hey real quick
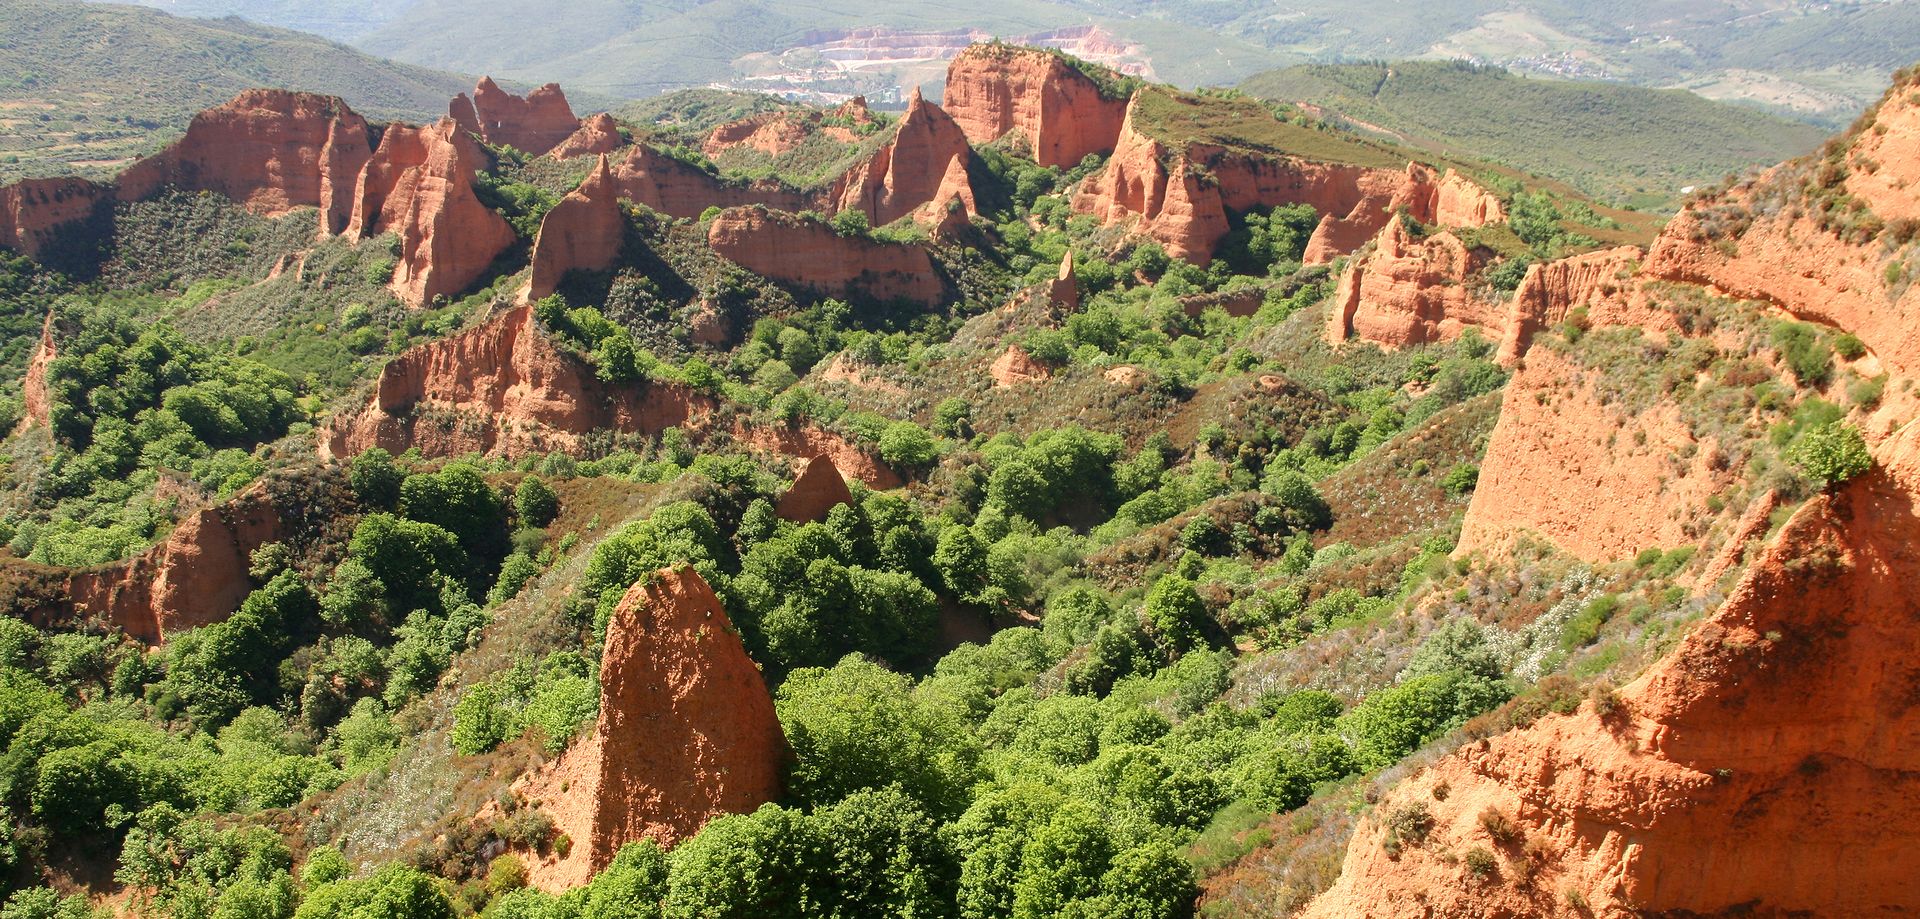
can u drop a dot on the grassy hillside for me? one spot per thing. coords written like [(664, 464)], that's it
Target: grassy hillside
[(85, 86), (1620, 141)]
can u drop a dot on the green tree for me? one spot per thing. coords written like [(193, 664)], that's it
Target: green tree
[(1176, 613), (536, 502), (906, 445), (1831, 454), (858, 726), (375, 479)]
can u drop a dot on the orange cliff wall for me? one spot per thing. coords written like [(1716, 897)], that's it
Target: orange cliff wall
[(533, 124), (1060, 112), (197, 575), (583, 232), (686, 733), (677, 189), (810, 254), (925, 164), (1764, 768), (502, 388), (35, 212), (1410, 291), (1182, 198), (419, 186), (596, 135), (269, 150), (1590, 477), (1749, 244)]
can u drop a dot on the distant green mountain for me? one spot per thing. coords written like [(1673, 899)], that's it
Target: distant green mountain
[(85, 86), (1624, 142)]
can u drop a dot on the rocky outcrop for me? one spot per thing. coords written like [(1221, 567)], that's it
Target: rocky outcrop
[(1063, 292), (809, 442), (1058, 113), (686, 733), (502, 388), (533, 124), (1562, 458), (1410, 291), (37, 405), (583, 232), (923, 168), (596, 135), (1772, 239), (1601, 282), (1763, 768), (809, 254), (196, 576), (419, 187), (1015, 366), (1181, 197), (678, 189), (772, 133), (35, 213), (815, 491), (269, 150)]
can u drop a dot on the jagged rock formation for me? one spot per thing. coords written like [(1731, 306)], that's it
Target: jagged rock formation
[(1015, 366), (1774, 239), (1410, 291), (1063, 292), (419, 186), (678, 189), (806, 253), (686, 733), (808, 442), (815, 491), (598, 134), (34, 212), (269, 150), (37, 405), (1764, 768), (533, 124), (925, 164), (502, 388), (581, 233), (1181, 197), (782, 132), (1601, 282), (1562, 457), (196, 576), (1060, 114)]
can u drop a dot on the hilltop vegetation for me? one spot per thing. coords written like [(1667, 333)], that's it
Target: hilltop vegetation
[(85, 86), (1619, 141)]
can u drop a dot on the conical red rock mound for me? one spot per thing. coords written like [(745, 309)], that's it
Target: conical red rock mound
[(687, 732), (817, 489)]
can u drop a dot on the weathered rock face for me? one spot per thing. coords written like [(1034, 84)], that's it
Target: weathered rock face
[(502, 388), (269, 150), (596, 135), (1762, 241), (37, 406), (34, 212), (805, 253), (1562, 461), (419, 186), (196, 576), (1763, 768), (1181, 197), (1060, 113), (534, 124), (677, 189), (1015, 366), (1063, 292), (583, 232), (1602, 282), (686, 733), (808, 442), (925, 164), (815, 491), (1410, 291)]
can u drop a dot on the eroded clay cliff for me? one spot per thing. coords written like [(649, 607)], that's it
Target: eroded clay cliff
[(35, 213), (686, 733), (679, 189), (923, 166), (597, 134), (1411, 291), (534, 123), (419, 187), (269, 150), (1058, 114), (1763, 768), (809, 254), (816, 490), (502, 388), (583, 232)]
